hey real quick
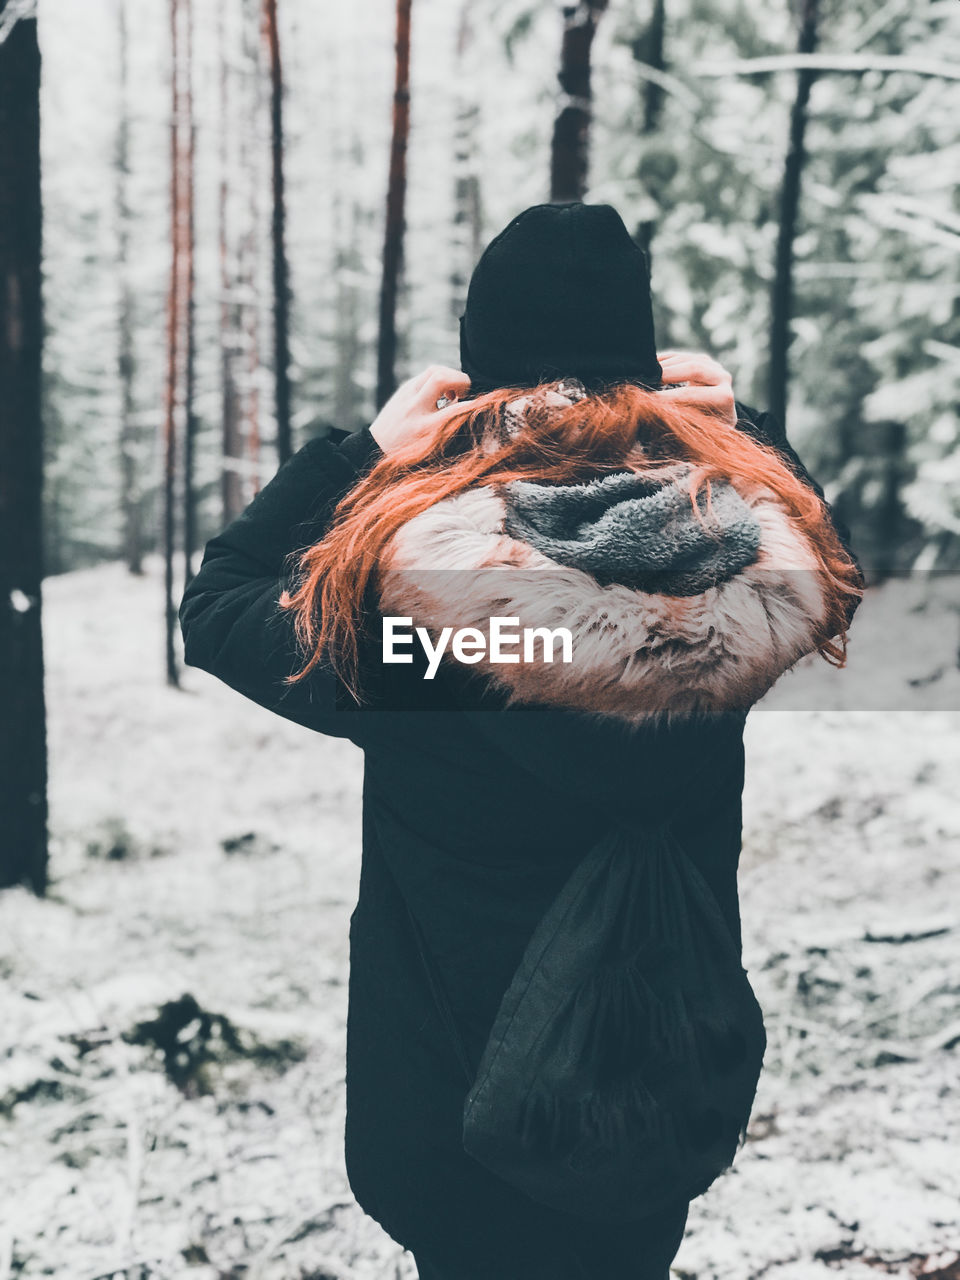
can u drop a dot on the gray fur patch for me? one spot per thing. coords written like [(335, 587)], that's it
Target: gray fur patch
[(636, 530)]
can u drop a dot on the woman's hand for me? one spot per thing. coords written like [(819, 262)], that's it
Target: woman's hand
[(708, 385), (411, 413)]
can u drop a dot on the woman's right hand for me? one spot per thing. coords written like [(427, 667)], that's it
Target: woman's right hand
[(707, 384), (411, 413)]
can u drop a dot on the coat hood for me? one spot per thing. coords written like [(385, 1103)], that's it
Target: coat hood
[(672, 612)]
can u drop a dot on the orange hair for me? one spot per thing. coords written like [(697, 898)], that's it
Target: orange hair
[(552, 443)]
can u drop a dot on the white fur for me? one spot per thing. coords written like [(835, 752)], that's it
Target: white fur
[(636, 655)]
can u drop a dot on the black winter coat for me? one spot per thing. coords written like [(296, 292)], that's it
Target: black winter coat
[(472, 818)]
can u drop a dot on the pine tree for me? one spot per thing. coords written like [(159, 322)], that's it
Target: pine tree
[(570, 151), (396, 199), (23, 757)]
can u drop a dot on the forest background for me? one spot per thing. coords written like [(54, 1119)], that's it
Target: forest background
[(690, 140), (257, 216)]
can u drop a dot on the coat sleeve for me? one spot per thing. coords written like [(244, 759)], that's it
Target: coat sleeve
[(232, 624)]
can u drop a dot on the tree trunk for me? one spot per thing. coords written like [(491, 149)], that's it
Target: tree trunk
[(467, 207), (23, 752), (250, 256), (396, 199), (231, 488), (281, 278), (188, 147), (570, 152), (349, 220), (174, 337), (348, 264), (649, 49), (131, 499), (782, 294)]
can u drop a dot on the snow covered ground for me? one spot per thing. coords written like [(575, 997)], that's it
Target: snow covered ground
[(202, 847)]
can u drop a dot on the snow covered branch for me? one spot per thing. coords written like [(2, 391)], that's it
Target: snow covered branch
[(855, 63)]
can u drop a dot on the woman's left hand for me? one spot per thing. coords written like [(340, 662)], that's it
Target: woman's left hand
[(412, 414), (708, 385)]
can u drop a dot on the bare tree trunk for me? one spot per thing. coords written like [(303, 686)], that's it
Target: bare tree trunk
[(347, 265), (173, 358), (231, 488), (250, 259), (188, 230), (649, 49), (281, 275), (782, 294), (467, 207), (651, 52), (345, 157), (396, 200), (253, 400), (131, 499), (23, 749), (570, 152)]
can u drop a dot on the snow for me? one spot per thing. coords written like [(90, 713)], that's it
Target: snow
[(202, 846), (20, 602)]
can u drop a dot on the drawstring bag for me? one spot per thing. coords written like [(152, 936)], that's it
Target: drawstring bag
[(620, 1071)]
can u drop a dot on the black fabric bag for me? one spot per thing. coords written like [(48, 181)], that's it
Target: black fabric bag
[(620, 1072)]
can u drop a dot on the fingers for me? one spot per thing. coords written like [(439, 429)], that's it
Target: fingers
[(703, 383), (701, 393), (440, 381), (714, 397), (438, 372), (420, 380), (693, 357), (693, 367), (698, 373)]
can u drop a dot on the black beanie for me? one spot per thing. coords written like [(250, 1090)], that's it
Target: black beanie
[(563, 291)]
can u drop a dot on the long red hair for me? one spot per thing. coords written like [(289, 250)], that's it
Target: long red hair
[(553, 442)]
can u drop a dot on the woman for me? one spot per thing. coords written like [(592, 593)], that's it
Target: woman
[(591, 472)]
